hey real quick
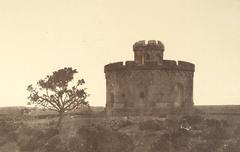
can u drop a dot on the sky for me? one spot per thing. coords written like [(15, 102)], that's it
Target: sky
[(38, 37)]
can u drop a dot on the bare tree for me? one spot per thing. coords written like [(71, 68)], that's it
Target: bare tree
[(55, 93)]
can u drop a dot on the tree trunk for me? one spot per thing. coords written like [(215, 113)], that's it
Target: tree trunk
[(60, 118)]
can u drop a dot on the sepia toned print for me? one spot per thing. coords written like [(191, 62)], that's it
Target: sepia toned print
[(119, 76)]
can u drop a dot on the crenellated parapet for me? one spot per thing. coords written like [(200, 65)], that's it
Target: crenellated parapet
[(151, 65), (152, 45)]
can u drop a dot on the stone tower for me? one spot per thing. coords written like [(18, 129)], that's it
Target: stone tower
[(151, 51), (149, 85)]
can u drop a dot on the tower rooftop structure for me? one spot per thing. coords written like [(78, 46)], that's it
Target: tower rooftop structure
[(151, 45), (151, 50)]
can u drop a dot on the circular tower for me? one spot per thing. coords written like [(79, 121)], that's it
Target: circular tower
[(149, 85)]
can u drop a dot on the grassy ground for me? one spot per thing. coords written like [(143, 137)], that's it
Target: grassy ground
[(119, 134), (218, 130)]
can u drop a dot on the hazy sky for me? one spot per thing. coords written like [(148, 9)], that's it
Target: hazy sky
[(41, 36)]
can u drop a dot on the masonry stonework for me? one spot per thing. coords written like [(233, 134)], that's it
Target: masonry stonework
[(149, 85)]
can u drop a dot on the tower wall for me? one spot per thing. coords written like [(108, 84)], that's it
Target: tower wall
[(150, 88), (149, 84)]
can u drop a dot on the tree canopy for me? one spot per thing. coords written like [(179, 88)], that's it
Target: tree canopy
[(55, 92)]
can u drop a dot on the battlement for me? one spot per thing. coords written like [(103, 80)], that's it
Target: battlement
[(151, 45), (151, 65)]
